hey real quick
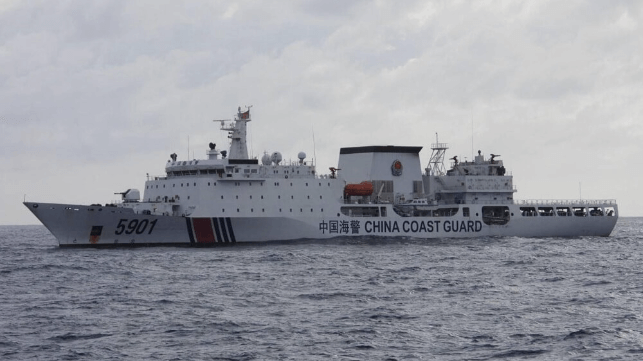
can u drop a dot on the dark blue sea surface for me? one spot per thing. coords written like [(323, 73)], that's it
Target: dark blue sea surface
[(345, 299)]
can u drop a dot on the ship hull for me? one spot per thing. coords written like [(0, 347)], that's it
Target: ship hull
[(96, 226)]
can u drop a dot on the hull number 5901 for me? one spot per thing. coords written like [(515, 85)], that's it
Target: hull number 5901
[(135, 226)]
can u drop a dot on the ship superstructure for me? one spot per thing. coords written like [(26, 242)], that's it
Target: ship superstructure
[(229, 197)]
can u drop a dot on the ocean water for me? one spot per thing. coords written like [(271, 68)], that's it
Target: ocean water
[(344, 299)]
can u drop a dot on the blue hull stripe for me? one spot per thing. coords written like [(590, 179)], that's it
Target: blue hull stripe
[(190, 231), (229, 222), (215, 223), (223, 230)]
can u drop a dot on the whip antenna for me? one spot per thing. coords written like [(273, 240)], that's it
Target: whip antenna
[(314, 147)]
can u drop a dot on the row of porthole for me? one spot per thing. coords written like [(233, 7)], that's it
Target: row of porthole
[(184, 162), (237, 197), (278, 197), (301, 210), (77, 209), (215, 183)]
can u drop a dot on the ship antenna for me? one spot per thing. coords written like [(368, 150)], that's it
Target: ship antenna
[(252, 149), (472, 132), (314, 147)]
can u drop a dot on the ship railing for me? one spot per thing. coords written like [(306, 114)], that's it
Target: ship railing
[(480, 201), (539, 202), (566, 202)]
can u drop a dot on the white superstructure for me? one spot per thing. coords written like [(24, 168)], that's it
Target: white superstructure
[(374, 191)]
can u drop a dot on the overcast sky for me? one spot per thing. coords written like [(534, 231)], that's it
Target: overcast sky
[(96, 94)]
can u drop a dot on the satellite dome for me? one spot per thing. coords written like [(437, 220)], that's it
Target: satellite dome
[(265, 160), (301, 155), (276, 157)]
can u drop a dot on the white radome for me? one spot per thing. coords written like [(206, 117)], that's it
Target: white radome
[(276, 158)]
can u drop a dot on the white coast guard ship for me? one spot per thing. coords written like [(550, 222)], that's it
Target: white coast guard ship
[(374, 191)]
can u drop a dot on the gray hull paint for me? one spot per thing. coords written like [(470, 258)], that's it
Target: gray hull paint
[(94, 226)]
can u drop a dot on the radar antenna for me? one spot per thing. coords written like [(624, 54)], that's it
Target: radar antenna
[(436, 164)]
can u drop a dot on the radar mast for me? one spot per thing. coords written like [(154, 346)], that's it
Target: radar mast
[(237, 131), (436, 164)]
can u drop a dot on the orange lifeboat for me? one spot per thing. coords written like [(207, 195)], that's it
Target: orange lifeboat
[(362, 189)]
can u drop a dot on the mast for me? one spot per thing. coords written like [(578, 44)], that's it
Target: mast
[(237, 131), (436, 164)]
